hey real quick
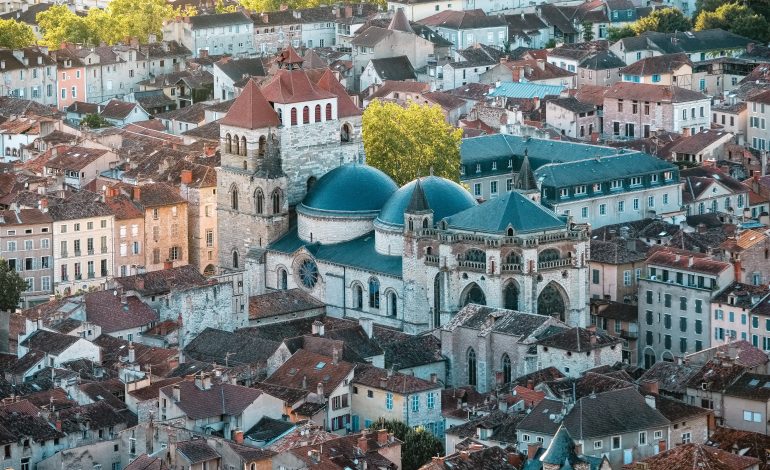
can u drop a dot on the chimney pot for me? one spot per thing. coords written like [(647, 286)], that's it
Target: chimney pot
[(363, 444), (186, 176), (382, 437)]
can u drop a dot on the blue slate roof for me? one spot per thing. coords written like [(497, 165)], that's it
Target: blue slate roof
[(350, 188), (444, 198), (526, 90), (598, 170), (356, 253), (511, 210)]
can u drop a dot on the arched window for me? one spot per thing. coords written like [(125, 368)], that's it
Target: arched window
[(243, 145), (293, 116), (506, 368), (392, 304), (424, 223), (410, 224), (283, 279), (374, 293), (15, 153), (509, 232), (437, 301), (472, 378), (329, 112), (276, 201), (474, 295), (513, 258), (511, 296), (318, 113), (548, 255), (713, 203), (476, 255), (358, 297), (236, 145), (262, 145), (701, 208), (345, 133), (234, 198), (305, 115), (259, 201), (235, 259), (310, 182), (228, 143)]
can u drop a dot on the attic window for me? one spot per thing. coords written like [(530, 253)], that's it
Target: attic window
[(320, 365)]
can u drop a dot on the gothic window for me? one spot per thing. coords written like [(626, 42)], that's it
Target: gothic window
[(283, 279), (511, 296), (358, 297), (310, 182), (475, 255), (474, 295), (437, 301), (305, 115), (410, 224), (308, 273), (329, 112), (243, 145), (235, 259), (262, 145), (234, 198), (548, 255), (293, 116), (472, 378), (236, 145), (374, 293), (276, 201), (228, 143), (392, 304), (506, 368), (318, 113), (424, 223), (513, 258), (509, 232), (345, 133), (259, 201), (551, 302)]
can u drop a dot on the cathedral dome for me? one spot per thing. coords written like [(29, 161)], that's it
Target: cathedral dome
[(350, 188), (444, 198)]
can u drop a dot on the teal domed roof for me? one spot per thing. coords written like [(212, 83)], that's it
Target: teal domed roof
[(350, 188), (444, 198)]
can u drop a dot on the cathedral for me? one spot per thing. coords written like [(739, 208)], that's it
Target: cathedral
[(297, 209)]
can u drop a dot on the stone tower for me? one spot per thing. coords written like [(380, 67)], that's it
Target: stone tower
[(418, 219)]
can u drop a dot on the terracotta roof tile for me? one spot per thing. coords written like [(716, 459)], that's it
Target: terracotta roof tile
[(312, 369), (219, 399), (251, 110)]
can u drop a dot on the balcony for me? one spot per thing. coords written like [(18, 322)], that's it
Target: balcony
[(91, 251), (511, 268), (473, 265), (104, 249), (554, 264), (78, 277), (91, 275), (65, 278), (77, 253), (432, 260)]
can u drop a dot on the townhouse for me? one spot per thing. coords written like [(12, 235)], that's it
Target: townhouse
[(231, 71), (748, 251), (634, 110), (574, 351), (708, 190), (572, 117), (128, 235), (599, 69), (26, 245), (709, 145), (83, 242), (698, 45), (222, 33), (71, 81), (739, 314), (469, 27), (758, 119), (620, 319), (28, 73), (616, 265), (667, 69), (675, 296), (77, 166)]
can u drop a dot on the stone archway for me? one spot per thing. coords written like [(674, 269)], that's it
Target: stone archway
[(649, 358), (511, 295), (473, 294), (552, 301)]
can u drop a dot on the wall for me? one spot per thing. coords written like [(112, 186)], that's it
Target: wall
[(574, 364), (734, 408), (128, 232), (103, 230), (164, 232), (371, 409)]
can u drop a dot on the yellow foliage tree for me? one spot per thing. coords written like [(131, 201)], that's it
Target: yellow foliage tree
[(14, 34), (406, 143)]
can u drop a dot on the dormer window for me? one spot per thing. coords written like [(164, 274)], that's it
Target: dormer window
[(478, 168)]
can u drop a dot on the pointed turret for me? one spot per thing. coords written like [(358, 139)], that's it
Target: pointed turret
[(418, 204), (289, 59), (400, 23), (251, 110), (525, 181), (561, 451)]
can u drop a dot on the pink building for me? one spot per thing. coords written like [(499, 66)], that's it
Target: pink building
[(71, 80)]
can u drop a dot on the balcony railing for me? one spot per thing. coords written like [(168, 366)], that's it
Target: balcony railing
[(626, 334), (431, 259), (553, 264), (91, 251), (511, 268), (474, 265), (91, 275)]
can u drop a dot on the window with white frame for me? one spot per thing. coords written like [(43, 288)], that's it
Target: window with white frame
[(642, 438), (616, 442), (598, 444), (686, 438), (657, 434), (564, 192), (525, 437), (752, 416), (580, 190)]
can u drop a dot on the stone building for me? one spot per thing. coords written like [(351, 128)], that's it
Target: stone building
[(128, 234), (26, 244)]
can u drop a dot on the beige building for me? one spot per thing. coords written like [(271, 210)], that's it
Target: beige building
[(669, 69), (78, 166), (747, 403), (83, 246), (128, 234), (731, 118), (616, 265), (25, 244), (758, 116)]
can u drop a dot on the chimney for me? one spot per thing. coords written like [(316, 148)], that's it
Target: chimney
[(531, 384), (131, 353), (433, 377), (123, 299), (203, 53), (363, 444), (335, 356), (650, 387), (532, 450), (578, 448), (58, 424), (168, 264), (320, 389), (177, 392), (465, 455), (541, 64), (701, 228), (650, 401), (238, 436), (136, 193), (499, 377), (367, 325), (382, 437), (689, 261), (186, 176), (318, 328), (315, 456)]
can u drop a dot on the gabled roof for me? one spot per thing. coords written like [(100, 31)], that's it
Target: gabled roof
[(489, 319), (649, 92), (661, 64), (698, 456), (394, 68), (467, 19), (196, 451), (374, 377), (219, 20), (217, 400), (251, 110), (311, 369), (291, 86), (163, 281), (106, 309), (512, 210), (579, 340)]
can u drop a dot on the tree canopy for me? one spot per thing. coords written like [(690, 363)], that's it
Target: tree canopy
[(273, 5), (616, 34), (406, 143), (121, 20), (665, 20), (94, 121), (11, 287), (737, 18), (588, 31), (15, 34), (419, 445)]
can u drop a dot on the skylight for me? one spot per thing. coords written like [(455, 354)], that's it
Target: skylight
[(320, 365)]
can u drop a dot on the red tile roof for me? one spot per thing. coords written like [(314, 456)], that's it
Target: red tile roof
[(251, 110), (312, 369), (698, 456), (106, 310), (219, 399), (693, 262), (345, 106), (292, 86)]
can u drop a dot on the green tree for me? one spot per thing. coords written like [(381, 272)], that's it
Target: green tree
[(59, 24), (616, 34), (550, 44), (15, 34), (588, 31), (220, 7), (140, 18), (407, 143), (94, 121), (11, 287), (737, 18), (419, 445), (665, 20)]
